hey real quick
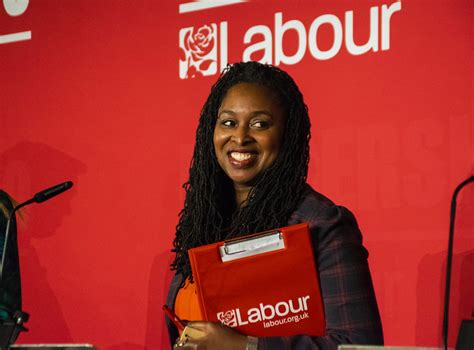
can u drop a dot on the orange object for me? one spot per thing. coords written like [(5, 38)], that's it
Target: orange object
[(264, 284), (186, 305)]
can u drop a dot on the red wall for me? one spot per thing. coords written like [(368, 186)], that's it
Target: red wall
[(95, 96)]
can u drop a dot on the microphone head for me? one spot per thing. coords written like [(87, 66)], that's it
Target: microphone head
[(52, 192)]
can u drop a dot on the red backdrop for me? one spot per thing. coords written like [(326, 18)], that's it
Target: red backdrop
[(94, 92)]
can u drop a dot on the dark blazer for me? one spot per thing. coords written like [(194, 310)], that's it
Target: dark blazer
[(351, 312)]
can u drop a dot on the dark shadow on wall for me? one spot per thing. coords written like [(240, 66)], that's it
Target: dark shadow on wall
[(431, 280), (27, 168), (160, 277)]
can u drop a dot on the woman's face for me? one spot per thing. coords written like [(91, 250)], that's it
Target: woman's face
[(248, 133)]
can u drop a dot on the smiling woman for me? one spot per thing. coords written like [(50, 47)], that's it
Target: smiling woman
[(248, 134), (248, 175)]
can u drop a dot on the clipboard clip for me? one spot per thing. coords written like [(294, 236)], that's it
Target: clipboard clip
[(250, 246)]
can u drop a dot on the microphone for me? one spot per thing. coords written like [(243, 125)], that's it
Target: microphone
[(38, 198), (52, 192)]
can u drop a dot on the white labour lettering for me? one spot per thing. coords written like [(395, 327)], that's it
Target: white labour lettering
[(265, 312), (308, 38)]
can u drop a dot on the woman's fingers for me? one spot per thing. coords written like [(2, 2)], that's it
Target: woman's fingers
[(196, 331), (210, 336), (189, 339), (187, 343), (200, 325), (217, 335)]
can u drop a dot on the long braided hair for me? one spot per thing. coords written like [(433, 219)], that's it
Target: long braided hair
[(210, 213)]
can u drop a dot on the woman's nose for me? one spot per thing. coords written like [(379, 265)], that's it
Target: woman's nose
[(241, 135)]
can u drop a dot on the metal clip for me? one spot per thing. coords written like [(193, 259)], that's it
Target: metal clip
[(241, 248)]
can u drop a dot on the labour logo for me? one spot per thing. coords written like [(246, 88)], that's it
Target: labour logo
[(203, 50), (228, 318)]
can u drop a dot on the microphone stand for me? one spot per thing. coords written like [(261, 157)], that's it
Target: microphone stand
[(11, 328), (450, 258), (7, 233)]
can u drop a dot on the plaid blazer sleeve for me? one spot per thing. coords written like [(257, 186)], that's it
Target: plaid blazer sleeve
[(351, 312)]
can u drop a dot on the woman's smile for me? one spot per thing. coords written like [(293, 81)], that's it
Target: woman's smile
[(242, 159)]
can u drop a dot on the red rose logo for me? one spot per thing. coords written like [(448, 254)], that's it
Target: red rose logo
[(227, 318), (198, 48), (201, 43)]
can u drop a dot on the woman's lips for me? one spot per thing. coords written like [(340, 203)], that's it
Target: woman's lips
[(241, 160)]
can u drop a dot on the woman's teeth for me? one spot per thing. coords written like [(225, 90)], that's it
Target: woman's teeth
[(240, 156)]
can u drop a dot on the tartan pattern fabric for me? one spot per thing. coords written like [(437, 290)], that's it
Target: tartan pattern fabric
[(350, 307)]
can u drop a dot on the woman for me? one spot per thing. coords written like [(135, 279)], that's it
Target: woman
[(248, 175)]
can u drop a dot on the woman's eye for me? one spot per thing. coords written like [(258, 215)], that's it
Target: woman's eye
[(228, 123), (260, 124)]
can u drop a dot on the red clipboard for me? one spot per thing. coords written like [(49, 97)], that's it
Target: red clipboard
[(264, 284)]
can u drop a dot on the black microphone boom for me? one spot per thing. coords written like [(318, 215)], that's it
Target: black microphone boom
[(52, 192)]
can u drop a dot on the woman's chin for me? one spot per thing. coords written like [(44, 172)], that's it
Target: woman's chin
[(241, 178)]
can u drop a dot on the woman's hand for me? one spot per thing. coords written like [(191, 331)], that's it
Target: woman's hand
[(210, 336)]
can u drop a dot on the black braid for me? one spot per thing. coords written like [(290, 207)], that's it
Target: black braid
[(210, 214)]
